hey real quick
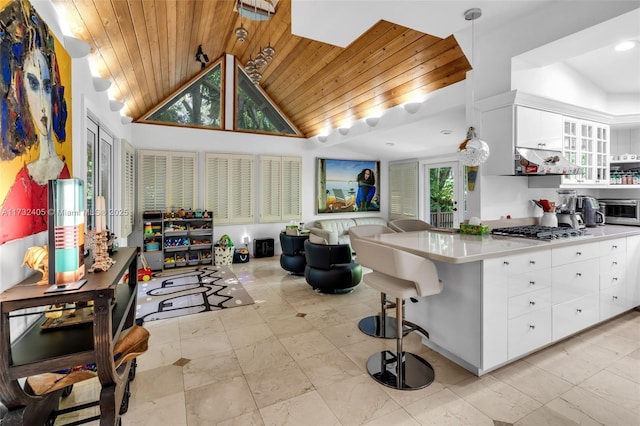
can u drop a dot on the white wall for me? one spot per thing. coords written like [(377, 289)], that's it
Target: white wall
[(172, 138), (83, 97)]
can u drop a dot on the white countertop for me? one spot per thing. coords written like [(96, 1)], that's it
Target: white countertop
[(461, 248)]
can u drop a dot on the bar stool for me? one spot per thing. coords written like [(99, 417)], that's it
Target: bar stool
[(375, 325), (402, 275), (406, 225)]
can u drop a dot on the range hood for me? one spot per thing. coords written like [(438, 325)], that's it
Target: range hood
[(536, 162)]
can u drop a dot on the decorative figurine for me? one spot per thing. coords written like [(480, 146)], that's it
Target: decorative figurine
[(37, 258)]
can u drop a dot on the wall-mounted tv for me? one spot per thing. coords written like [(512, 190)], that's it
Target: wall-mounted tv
[(347, 186)]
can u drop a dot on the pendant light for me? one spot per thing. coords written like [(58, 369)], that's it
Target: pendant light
[(269, 51), (473, 151), (241, 31)]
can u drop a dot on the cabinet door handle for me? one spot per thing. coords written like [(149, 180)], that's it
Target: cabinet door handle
[(614, 279), (614, 262), (614, 247), (506, 263), (532, 283), (532, 327), (578, 310), (615, 297), (532, 303), (578, 274), (532, 262), (578, 253)]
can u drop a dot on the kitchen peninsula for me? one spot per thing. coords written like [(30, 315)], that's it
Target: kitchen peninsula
[(505, 297)]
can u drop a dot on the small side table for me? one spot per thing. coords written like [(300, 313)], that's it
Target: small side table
[(292, 258)]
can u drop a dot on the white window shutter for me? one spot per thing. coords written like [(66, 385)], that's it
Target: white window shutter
[(183, 181), (291, 188), (128, 188), (403, 190), (229, 187), (153, 182)]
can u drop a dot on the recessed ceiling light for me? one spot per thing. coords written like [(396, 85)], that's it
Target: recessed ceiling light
[(445, 131), (625, 45)]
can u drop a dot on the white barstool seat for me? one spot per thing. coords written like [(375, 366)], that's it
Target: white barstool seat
[(406, 225), (402, 275), (375, 325)]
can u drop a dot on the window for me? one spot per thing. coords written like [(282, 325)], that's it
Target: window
[(228, 187), (280, 188), (197, 104), (128, 188), (99, 179), (255, 112), (403, 190), (168, 179)]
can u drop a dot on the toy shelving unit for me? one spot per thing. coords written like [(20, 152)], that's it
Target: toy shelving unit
[(187, 241)]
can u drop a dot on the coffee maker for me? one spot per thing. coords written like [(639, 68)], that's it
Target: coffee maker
[(589, 206), (566, 209)]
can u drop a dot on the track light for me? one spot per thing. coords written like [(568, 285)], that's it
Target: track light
[(201, 57), (101, 84), (76, 47), (412, 107), (115, 105), (372, 121)]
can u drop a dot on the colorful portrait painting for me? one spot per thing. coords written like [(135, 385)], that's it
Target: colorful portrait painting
[(35, 118), (346, 186)]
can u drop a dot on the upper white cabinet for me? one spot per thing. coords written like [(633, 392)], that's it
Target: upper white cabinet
[(586, 143), (536, 128)]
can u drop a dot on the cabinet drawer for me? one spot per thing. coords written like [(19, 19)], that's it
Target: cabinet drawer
[(575, 253), (575, 315), (574, 280), (609, 247), (529, 302), (531, 281), (614, 300), (526, 262), (612, 270), (528, 332)]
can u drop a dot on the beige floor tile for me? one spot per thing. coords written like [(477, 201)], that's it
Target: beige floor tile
[(616, 389), (156, 383), (250, 419), (360, 352), (496, 399), (218, 402), (209, 344), (404, 398), (160, 355), (585, 407), (275, 311), (621, 344), (357, 400), (292, 325), (328, 368), (240, 317), (446, 408), (162, 331), (327, 318), (248, 336), (628, 367), (344, 334), (307, 344), (397, 418), (447, 372), (535, 382), (544, 416), (167, 410), (305, 409), (264, 354), (276, 384), (217, 368), (200, 324)]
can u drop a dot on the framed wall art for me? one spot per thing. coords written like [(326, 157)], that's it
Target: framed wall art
[(347, 186)]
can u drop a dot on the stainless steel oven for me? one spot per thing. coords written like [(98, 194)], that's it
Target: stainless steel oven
[(621, 212)]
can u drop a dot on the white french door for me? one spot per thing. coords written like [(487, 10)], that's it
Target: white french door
[(443, 203), (99, 181)]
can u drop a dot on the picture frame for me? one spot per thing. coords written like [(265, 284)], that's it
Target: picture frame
[(344, 186)]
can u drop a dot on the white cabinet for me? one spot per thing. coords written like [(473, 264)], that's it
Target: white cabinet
[(586, 143), (632, 276), (574, 315), (536, 128)]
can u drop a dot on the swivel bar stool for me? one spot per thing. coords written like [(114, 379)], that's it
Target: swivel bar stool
[(406, 225), (375, 325), (402, 275)]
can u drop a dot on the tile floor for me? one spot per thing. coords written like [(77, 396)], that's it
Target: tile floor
[(296, 357)]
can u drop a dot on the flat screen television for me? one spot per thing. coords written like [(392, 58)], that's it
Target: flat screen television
[(347, 186)]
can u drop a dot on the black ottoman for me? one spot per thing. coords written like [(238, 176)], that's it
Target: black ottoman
[(292, 258), (330, 268)]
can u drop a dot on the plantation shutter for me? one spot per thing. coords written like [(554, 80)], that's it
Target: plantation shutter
[(291, 188), (403, 191), (229, 187), (280, 188), (167, 180), (183, 181), (128, 188)]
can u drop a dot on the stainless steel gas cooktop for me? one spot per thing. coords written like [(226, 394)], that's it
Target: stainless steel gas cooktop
[(537, 232)]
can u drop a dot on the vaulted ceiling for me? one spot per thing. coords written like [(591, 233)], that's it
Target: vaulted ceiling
[(147, 48)]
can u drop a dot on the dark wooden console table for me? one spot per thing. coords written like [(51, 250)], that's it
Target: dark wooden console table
[(37, 351)]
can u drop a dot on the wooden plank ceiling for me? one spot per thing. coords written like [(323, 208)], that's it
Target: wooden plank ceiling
[(147, 48)]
